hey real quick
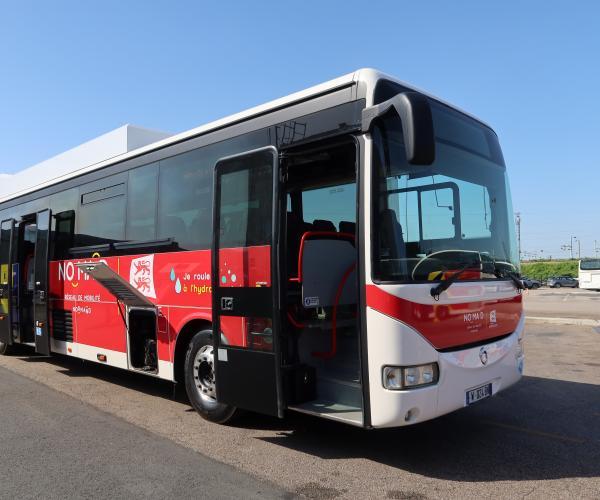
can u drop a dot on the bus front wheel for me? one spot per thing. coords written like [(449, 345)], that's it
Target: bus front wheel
[(5, 349), (200, 379)]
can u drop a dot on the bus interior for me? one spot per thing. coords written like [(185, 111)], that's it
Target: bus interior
[(24, 280), (322, 332)]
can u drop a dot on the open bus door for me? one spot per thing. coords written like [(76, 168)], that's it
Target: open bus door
[(40, 291), (6, 253), (245, 282)]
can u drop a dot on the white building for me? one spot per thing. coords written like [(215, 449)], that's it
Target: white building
[(110, 145)]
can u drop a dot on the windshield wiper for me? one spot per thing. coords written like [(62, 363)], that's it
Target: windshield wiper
[(499, 273), (445, 284)]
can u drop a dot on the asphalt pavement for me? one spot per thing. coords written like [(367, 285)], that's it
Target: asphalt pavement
[(55, 446), (562, 303), (539, 439)]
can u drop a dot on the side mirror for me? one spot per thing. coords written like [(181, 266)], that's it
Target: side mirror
[(417, 124)]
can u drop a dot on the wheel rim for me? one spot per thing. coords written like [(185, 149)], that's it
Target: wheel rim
[(204, 373)]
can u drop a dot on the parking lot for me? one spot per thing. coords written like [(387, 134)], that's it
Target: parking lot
[(563, 303), (540, 438)]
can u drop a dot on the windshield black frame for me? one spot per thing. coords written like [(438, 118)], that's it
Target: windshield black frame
[(479, 144)]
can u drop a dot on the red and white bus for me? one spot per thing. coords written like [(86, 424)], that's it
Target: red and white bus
[(347, 251)]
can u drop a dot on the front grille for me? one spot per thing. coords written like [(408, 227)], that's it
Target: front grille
[(475, 344), (62, 325)]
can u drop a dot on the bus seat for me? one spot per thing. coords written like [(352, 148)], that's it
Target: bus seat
[(293, 232), (347, 227), (324, 225), (324, 263), (392, 238), (295, 229)]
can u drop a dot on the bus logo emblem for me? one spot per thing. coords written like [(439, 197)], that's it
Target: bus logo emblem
[(483, 356), (141, 275), (226, 303)]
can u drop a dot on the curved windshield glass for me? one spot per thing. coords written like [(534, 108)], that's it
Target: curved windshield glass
[(453, 215)]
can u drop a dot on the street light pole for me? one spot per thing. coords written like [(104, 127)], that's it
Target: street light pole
[(571, 246), (518, 224)]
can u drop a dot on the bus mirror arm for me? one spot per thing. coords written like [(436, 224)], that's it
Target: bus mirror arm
[(417, 124)]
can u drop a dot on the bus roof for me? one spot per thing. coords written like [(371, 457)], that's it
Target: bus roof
[(131, 141)]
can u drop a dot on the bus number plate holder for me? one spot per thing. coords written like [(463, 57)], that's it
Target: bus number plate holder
[(479, 393)]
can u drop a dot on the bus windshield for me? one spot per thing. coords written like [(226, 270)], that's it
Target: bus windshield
[(453, 214)]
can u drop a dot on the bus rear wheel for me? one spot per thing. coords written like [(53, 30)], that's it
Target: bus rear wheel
[(200, 380)]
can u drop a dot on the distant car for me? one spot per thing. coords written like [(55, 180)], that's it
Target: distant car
[(530, 283), (559, 281)]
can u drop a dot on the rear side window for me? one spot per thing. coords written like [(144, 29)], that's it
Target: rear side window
[(141, 203), (332, 204), (102, 214)]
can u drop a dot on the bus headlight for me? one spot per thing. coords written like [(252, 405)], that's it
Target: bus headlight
[(409, 377)]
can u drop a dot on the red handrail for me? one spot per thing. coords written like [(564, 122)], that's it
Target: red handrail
[(294, 322), (318, 234), (338, 295)]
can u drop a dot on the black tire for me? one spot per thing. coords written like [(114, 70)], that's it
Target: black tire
[(199, 377), (5, 349), (558, 285), (535, 286)]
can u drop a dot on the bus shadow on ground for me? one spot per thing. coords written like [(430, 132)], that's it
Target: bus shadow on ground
[(76, 368), (539, 429)]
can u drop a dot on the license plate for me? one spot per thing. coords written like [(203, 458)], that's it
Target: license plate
[(479, 393)]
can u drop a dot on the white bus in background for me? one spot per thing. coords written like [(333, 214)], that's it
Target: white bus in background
[(589, 274)]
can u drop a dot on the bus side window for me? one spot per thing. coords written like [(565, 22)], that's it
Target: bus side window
[(102, 212), (141, 203), (185, 196), (64, 230), (327, 207)]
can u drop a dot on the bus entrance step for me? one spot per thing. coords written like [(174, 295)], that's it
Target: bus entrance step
[(335, 411)]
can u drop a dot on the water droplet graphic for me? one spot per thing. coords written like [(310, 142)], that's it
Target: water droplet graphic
[(233, 278), (178, 286), (172, 275), (223, 279)]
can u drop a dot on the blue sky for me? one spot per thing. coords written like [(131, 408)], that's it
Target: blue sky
[(70, 71)]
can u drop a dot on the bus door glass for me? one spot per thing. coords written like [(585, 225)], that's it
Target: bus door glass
[(40, 282), (245, 282), (6, 251)]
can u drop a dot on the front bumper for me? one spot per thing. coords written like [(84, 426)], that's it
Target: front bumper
[(460, 371)]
